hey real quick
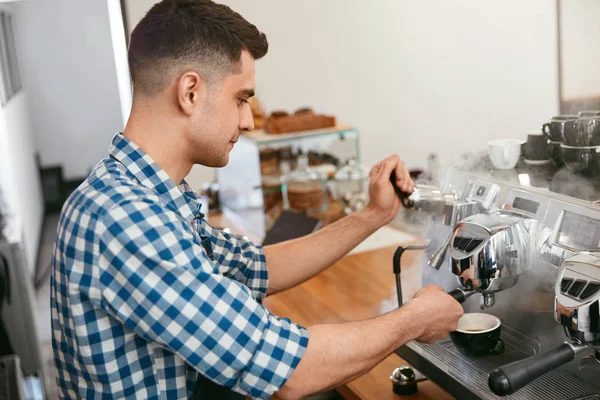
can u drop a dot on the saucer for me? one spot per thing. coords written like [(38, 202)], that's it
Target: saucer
[(536, 162)]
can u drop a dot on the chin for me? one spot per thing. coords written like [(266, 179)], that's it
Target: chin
[(217, 163), (218, 159)]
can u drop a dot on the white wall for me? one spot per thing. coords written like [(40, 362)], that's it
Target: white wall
[(71, 65), (414, 77), (19, 176), (580, 58)]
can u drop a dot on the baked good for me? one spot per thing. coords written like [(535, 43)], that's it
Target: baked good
[(258, 113), (269, 161), (305, 195), (303, 121), (304, 111), (272, 191)]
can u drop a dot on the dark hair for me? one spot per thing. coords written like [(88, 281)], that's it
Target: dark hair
[(198, 34)]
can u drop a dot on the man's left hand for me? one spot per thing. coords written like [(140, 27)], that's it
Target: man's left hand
[(384, 203)]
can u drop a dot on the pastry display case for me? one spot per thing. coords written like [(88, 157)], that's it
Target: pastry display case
[(268, 173)]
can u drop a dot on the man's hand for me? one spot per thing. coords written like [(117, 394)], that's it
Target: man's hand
[(339, 353), (383, 201), (437, 311)]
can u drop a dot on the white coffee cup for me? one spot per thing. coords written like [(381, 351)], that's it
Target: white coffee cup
[(504, 153)]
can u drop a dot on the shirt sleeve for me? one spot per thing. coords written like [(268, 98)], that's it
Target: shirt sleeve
[(240, 259), (156, 279)]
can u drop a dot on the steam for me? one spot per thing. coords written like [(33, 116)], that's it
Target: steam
[(570, 184), (561, 181)]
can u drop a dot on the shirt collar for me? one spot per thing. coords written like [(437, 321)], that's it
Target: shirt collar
[(181, 199)]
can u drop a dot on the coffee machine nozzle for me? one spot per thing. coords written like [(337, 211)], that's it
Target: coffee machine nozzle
[(488, 300), (488, 252)]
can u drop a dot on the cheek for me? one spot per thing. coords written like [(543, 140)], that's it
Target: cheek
[(218, 123), (233, 116), (228, 121)]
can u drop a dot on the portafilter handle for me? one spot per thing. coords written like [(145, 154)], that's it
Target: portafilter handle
[(461, 294), (508, 379)]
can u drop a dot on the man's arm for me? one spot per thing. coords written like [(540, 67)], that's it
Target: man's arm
[(291, 263), (340, 353)]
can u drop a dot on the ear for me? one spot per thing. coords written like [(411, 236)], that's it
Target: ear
[(191, 89)]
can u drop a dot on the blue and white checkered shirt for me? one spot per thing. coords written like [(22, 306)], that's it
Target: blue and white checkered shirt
[(140, 306)]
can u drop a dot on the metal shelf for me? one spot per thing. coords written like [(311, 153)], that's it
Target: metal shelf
[(261, 137)]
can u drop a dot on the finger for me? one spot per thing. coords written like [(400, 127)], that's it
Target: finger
[(374, 174), (434, 287), (376, 170), (389, 164), (405, 182), (403, 177), (408, 183)]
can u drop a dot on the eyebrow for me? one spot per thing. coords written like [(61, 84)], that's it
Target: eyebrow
[(246, 92)]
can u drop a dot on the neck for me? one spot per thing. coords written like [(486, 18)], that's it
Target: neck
[(151, 127)]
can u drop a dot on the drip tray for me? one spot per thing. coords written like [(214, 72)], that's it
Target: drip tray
[(558, 384)]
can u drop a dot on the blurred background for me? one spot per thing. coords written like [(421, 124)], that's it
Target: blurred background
[(415, 78)]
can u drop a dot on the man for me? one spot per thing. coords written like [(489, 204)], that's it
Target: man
[(148, 299)]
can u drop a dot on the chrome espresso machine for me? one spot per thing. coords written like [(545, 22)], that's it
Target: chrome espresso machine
[(523, 245)]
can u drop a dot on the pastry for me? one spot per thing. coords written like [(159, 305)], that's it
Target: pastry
[(258, 113), (269, 161), (281, 122)]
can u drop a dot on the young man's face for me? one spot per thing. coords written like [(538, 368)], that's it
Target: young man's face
[(223, 115)]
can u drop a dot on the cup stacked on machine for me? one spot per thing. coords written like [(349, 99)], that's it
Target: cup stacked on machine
[(574, 142)]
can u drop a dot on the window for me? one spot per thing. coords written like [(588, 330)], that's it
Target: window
[(11, 77)]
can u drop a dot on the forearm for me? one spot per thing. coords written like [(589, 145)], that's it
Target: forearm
[(292, 262), (337, 354)]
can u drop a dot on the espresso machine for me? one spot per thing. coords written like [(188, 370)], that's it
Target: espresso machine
[(504, 243)]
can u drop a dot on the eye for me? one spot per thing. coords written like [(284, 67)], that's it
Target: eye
[(242, 101)]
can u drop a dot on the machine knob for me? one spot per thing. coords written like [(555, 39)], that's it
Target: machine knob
[(404, 381)]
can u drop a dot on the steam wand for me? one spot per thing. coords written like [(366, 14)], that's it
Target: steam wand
[(460, 294), (396, 263)]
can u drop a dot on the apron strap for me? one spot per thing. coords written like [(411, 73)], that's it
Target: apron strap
[(208, 390)]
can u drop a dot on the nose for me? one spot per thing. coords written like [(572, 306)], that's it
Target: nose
[(246, 123)]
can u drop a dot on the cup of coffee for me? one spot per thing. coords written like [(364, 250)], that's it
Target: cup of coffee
[(504, 153), (478, 335), (553, 129), (536, 148)]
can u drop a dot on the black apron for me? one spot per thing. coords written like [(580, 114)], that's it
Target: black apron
[(208, 390)]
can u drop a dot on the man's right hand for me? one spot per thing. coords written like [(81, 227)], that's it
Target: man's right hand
[(339, 353), (437, 312)]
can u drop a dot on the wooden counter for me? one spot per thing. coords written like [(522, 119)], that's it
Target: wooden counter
[(358, 287)]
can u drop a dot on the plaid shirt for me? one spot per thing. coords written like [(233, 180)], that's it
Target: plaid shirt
[(140, 306)]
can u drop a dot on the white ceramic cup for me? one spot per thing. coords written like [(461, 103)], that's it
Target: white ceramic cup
[(504, 153)]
